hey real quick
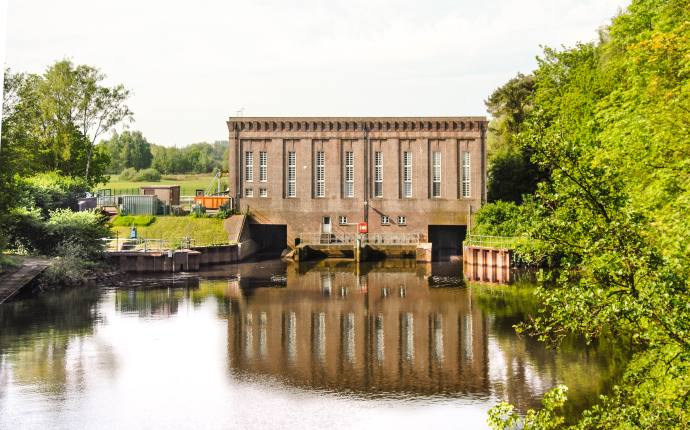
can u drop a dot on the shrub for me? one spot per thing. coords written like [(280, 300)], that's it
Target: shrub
[(71, 265), (499, 219), (147, 175), (50, 191), (26, 231), (224, 211), (128, 174), (84, 229), (129, 220)]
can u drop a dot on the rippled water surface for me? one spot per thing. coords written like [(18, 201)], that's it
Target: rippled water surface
[(275, 345)]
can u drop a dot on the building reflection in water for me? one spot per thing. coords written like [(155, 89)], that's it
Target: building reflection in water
[(383, 329)]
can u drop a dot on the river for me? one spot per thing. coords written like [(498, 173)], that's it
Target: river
[(273, 345)]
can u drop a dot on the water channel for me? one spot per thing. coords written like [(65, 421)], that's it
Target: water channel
[(270, 345)]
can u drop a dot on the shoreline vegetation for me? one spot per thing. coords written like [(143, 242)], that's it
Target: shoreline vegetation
[(597, 132)]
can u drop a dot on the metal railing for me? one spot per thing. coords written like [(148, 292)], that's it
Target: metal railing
[(328, 238), (507, 242), (366, 239), (106, 201), (392, 238), (153, 245)]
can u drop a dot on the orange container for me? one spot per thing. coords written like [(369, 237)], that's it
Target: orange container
[(211, 202)]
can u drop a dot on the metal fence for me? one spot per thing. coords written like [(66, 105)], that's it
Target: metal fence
[(153, 245), (506, 242), (366, 239)]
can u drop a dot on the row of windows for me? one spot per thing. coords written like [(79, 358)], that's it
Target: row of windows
[(385, 220), (249, 166), (349, 173), (249, 192)]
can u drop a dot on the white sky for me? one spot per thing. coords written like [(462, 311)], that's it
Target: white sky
[(192, 64)]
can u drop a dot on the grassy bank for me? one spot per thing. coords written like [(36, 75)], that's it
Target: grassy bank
[(188, 183), (202, 230)]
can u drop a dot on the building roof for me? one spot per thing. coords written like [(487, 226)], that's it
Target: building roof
[(339, 123)]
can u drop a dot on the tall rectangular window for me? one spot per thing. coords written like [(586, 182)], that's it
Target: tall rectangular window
[(249, 166), (407, 174), (263, 166), (320, 174), (465, 174), (378, 174), (349, 174), (292, 174), (436, 174)]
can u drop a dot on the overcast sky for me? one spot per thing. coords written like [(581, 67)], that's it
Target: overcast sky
[(192, 64)]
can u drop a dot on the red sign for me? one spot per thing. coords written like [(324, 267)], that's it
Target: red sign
[(363, 227)]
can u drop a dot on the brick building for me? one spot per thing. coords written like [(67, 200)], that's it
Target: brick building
[(324, 175)]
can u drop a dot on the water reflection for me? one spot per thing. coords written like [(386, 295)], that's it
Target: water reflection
[(390, 331), (398, 327)]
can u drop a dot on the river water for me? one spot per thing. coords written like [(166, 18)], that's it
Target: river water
[(275, 345)]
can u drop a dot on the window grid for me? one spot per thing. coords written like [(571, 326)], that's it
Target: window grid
[(402, 220), (320, 174), (249, 192), (263, 166), (349, 174), (407, 174), (385, 220), (436, 176), (249, 166), (292, 174), (342, 220), (465, 174), (378, 174), (263, 192)]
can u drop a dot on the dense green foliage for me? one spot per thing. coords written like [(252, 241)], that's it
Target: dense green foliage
[(144, 175), (30, 232), (50, 191), (196, 158), (131, 152), (127, 150), (512, 173), (609, 123), (51, 122), (501, 219)]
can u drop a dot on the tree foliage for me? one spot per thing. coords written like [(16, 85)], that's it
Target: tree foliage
[(51, 121), (200, 157), (512, 173), (609, 122), (127, 150)]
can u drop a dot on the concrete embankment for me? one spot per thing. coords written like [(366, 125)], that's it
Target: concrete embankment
[(181, 260)]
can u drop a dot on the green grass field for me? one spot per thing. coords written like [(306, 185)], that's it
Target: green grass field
[(188, 183), (203, 230)]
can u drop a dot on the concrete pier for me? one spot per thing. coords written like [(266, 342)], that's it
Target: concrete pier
[(487, 264)]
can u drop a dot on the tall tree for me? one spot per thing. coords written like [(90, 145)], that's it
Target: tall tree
[(511, 172), (54, 119), (75, 95), (128, 149)]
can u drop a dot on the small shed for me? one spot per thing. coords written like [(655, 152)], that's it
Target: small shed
[(169, 195), (137, 205)]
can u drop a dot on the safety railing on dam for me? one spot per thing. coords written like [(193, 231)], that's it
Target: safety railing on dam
[(365, 239), (502, 242), (153, 245)]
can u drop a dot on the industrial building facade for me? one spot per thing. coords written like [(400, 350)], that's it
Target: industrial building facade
[(327, 175)]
